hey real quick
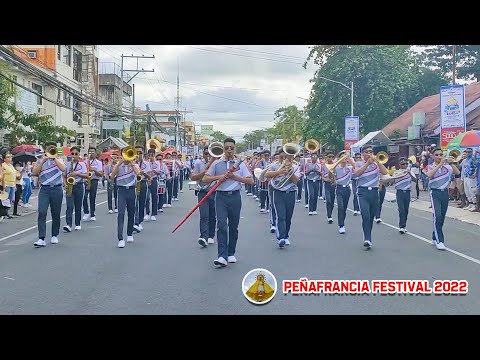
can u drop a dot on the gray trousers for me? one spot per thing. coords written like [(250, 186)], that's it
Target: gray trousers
[(126, 200), (403, 203), (368, 203), (75, 202), (312, 192), (284, 204), (140, 203), (343, 196), (228, 205), (92, 196), (49, 196), (152, 198), (208, 218), (439, 200)]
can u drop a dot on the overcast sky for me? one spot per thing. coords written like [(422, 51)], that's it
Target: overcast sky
[(236, 88)]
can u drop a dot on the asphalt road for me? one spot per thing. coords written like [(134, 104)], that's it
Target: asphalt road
[(161, 273)]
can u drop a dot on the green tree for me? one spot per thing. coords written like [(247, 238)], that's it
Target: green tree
[(253, 138), (218, 136), (386, 83), (289, 122), (25, 128), (240, 147), (467, 60)]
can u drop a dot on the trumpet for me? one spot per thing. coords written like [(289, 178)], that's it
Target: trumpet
[(70, 183), (51, 152), (381, 157)]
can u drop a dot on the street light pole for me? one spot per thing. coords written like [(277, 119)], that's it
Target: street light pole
[(345, 86)]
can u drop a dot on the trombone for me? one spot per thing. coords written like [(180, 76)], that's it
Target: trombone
[(51, 151), (154, 144), (291, 149), (453, 156), (381, 157), (129, 153)]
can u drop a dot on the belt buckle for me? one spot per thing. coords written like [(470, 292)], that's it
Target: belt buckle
[(229, 192), (127, 187), (370, 188), (51, 185)]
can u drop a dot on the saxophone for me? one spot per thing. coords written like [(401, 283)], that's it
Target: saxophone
[(70, 182), (88, 181)]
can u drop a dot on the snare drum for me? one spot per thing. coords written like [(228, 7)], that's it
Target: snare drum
[(192, 185), (161, 187)]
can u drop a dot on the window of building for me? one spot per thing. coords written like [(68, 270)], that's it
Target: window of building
[(14, 78), (67, 54), (77, 65), (77, 117), (59, 52), (38, 89), (66, 98), (32, 54)]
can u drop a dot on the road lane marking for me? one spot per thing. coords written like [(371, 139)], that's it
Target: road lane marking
[(35, 226), (430, 242)]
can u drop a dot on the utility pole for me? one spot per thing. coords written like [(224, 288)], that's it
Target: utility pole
[(136, 71), (177, 106), (454, 65), (134, 122)]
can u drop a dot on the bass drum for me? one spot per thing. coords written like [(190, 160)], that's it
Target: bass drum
[(161, 187)]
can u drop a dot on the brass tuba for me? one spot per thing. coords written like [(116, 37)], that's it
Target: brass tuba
[(215, 149), (154, 144), (312, 145)]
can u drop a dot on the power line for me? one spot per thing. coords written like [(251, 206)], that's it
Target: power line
[(262, 52), (248, 56)]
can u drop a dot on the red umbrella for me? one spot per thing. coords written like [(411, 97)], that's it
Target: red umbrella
[(25, 148)]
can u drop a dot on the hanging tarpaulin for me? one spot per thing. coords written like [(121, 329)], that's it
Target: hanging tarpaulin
[(452, 113)]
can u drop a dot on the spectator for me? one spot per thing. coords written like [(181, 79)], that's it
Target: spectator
[(27, 187), (18, 190)]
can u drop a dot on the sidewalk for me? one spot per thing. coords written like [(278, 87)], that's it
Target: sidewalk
[(424, 202)]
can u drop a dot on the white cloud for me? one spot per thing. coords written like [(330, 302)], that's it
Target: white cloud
[(236, 88)]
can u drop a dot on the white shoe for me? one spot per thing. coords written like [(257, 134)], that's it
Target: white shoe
[(367, 244), (161, 210), (153, 218), (146, 218), (210, 241), (440, 246), (341, 229), (273, 229), (263, 211), (110, 211), (136, 227), (86, 217), (287, 242), (232, 259), (78, 228), (93, 218), (181, 191), (306, 206), (310, 213), (167, 205), (54, 240), (321, 197), (141, 227), (299, 200), (221, 262), (67, 228), (314, 213), (116, 210), (39, 243), (129, 238), (248, 194), (121, 244), (402, 231), (281, 243), (378, 221), (330, 220), (202, 242)]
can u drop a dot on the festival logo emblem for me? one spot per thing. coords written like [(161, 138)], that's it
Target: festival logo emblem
[(259, 286)]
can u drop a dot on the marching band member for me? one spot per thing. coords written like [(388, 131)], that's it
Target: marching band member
[(207, 209), (403, 186), (303, 161), (182, 169), (439, 173), (170, 180), (141, 198), (273, 214), (49, 172), (78, 170), (263, 186), (96, 168), (367, 173), (163, 175), (313, 175), (320, 185), (343, 176), (152, 191), (126, 173), (176, 166), (228, 202), (356, 209), (284, 196), (329, 181), (111, 185)]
